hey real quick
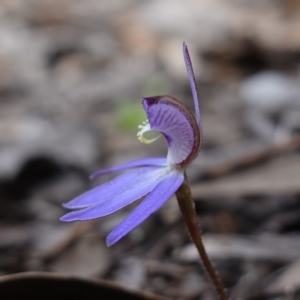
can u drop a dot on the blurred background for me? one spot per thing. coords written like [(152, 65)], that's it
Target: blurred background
[(72, 77)]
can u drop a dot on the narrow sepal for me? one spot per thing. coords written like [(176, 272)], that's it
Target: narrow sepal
[(163, 191), (191, 76), (110, 189), (144, 162), (128, 195)]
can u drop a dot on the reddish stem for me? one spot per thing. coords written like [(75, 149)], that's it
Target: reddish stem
[(187, 207)]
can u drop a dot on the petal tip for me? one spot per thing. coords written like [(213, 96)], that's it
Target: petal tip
[(110, 241), (96, 174), (64, 218), (148, 101), (67, 205)]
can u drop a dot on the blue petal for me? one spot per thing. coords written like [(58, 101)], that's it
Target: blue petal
[(109, 189), (127, 196), (163, 191), (144, 162)]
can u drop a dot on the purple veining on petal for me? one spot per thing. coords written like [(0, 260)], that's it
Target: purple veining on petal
[(109, 189), (144, 162), (163, 191), (191, 76), (127, 196), (170, 120)]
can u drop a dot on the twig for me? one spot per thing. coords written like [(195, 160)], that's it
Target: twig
[(251, 158)]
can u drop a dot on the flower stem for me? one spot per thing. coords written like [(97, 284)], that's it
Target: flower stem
[(187, 207)]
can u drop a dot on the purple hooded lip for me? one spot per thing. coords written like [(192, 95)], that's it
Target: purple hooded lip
[(177, 124)]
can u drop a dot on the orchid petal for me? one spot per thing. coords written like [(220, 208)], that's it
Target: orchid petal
[(163, 191), (191, 76), (127, 196), (172, 119), (144, 162), (109, 189)]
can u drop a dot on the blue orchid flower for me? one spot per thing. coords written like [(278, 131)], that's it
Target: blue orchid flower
[(156, 178)]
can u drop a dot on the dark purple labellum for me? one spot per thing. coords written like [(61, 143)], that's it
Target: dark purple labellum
[(177, 124)]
